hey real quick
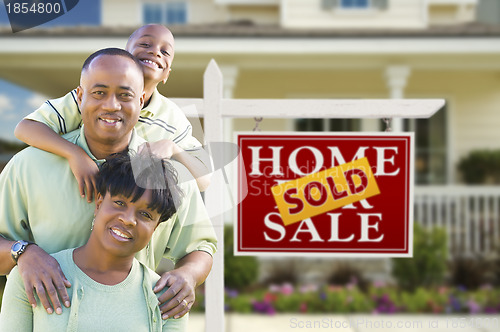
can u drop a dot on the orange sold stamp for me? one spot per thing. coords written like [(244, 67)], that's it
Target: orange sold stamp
[(320, 192)]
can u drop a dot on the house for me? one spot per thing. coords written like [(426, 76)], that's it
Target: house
[(317, 49)]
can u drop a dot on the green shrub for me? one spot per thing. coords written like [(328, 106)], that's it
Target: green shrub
[(470, 272), (280, 273), (480, 167), (239, 271), (379, 299), (346, 274), (428, 265)]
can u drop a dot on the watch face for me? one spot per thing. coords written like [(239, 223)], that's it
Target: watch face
[(17, 246)]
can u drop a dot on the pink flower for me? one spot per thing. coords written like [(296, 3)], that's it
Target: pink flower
[(443, 290), (287, 289), (474, 308), (308, 288), (334, 288), (274, 288)]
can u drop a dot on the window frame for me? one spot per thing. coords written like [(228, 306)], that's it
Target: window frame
[(174, 12)]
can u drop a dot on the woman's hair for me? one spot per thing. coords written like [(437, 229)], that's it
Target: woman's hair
[(131, 175)]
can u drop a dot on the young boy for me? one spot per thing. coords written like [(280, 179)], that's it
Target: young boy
[(161, 122)]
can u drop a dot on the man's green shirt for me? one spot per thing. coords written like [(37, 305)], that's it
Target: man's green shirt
[(40, 202)]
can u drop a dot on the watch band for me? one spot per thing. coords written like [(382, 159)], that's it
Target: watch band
[(17, 252)]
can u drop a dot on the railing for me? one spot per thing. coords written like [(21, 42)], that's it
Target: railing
[(469, 214)]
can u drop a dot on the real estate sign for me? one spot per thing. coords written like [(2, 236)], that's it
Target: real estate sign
[(346, 194)]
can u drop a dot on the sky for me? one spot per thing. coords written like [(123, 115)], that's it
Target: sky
[(15, 101)]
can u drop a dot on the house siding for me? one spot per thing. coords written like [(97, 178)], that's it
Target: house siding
[(121, 13), (203, 11), (398, 14), (451, 14), (257, 15)]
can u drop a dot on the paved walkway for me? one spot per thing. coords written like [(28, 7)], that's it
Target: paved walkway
[(352, 323)]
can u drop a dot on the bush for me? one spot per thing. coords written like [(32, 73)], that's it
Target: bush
[(428, 265), (346, 274), (382, 299), (240, 271), (480, 167), (470, 272), (282, 272)]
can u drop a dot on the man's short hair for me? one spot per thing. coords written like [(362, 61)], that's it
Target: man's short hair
[(131, 175), (111, 51)]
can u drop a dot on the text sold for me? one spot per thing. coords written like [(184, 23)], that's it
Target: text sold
[(324, 191)]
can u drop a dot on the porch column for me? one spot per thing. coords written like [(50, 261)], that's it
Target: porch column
[(230, 75), (397, 78)]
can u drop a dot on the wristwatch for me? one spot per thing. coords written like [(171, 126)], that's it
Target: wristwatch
[(18, 248)]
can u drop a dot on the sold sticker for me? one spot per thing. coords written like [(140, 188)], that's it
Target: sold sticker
[(320, 192)]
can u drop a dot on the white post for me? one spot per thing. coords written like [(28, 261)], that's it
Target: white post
[(229, 75), (397, 77), (214, 288)]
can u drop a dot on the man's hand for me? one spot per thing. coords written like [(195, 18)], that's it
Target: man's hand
[(180, 294), (42, 272), (85, 171)]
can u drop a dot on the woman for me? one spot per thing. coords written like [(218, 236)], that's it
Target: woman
[(111, 290)]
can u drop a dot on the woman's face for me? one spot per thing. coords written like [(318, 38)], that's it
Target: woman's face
[(122, 226)]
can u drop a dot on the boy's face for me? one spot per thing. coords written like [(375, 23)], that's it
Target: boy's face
[(153, 45), (110, 97)]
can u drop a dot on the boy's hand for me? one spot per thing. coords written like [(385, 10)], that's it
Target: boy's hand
[(164, 148), (85, 171), (180, 294), (42, 273)]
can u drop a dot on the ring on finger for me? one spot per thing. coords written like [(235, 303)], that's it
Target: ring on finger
[(184, 302)]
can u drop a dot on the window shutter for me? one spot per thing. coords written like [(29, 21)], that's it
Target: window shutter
[(329, 4), (380, 4)]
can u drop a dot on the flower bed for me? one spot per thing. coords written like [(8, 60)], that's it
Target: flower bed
[(378, 298)]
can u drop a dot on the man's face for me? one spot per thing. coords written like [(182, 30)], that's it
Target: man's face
[(153, 45), (110, 97)]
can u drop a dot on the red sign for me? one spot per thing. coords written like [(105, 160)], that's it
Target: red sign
[(348, 194)]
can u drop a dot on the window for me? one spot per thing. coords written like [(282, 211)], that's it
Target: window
[(152, 13), (354, 4), (165, 12), (328, 125), (430, 146), (430, 142), (176, 13)]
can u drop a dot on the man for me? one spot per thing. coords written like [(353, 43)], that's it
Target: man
[(40, 201)]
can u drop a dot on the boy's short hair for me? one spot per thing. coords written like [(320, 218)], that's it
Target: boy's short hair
[(131, 175), (111, 51)]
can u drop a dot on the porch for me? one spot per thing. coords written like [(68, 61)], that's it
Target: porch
[(469, 214)]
